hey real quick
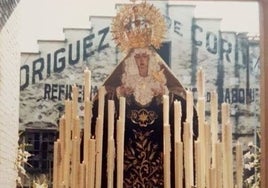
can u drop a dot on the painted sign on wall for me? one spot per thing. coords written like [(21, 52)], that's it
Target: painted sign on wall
[(230, 61)]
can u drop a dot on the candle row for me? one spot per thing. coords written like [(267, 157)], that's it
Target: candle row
[(68, 171), (213, 159), (214, 155), (205, 156)]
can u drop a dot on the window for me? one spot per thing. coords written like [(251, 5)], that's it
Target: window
[(40, 143)]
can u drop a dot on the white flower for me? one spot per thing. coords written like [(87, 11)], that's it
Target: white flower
[(21, 161), (248, 166)]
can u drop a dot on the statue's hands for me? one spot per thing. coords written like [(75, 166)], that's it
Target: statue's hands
[(124, 91)]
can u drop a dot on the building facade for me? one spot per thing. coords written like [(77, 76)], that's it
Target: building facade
[(230, 61), (9, 90)]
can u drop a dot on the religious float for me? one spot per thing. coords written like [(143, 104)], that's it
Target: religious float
[(142, 128)]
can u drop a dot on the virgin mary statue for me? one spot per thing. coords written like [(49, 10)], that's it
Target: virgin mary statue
[(142, 77)]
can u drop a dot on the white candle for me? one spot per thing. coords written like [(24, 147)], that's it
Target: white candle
[(75, 162), (68, 117), (214, 123), (99, 141), (87, 114), (111, 112), (212, 178), (239, 165), (188, 151), (62, 185), (91, 163), (101, 98), (166, 109), (200, 83), (178, 164), (202, 139), (226, 144), (82, 173), (56, 161), (167, 149), (76, 127), (219, 164), (122, 109), (177, 121), (61, 162), (87, 129), (120, 134), (207, 152), (110, 163), (227, 156), (166, 139), (200, 180), (120, 152), (99, 135), (225, 113), (178, 145), (214, 115), (189, 107), (188, 128), (62, 136), (201, 119), (111, 147)]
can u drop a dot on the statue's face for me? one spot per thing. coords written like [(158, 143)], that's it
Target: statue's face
[(142, 61)]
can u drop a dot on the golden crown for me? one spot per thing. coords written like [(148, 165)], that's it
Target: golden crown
[(138, 26)]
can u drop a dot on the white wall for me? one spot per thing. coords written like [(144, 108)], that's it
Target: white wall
[(9, 99)]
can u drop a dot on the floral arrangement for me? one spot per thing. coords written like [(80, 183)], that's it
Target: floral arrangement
[(40, 182), (21, 161), (252, 165)]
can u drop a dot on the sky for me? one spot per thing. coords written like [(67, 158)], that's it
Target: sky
[(45, 19)]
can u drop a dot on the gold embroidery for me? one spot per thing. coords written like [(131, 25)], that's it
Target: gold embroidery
[(143, 166), (143, 117)]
